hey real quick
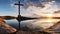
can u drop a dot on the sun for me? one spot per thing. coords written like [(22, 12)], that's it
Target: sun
[(49, 15)]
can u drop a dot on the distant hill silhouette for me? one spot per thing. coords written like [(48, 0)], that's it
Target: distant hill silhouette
[(9, 17)]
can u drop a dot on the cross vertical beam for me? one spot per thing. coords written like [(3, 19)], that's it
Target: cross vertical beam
[(18, 7)]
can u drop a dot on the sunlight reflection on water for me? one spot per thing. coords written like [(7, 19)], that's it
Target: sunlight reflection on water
[(44, 23)]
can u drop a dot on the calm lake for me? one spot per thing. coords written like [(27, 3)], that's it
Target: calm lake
[(37, 23)]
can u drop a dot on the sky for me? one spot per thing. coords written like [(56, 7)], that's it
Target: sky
[(30, 8), (6, 9)]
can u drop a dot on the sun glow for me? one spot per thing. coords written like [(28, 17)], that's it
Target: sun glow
[(49, 15)]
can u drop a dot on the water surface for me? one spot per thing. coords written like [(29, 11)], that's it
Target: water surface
[(39, 23)]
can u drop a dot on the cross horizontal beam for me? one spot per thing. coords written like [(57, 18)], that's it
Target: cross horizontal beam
[(19, 4)]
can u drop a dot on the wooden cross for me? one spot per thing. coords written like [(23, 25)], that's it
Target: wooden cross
[(19, 6), (19, 16)]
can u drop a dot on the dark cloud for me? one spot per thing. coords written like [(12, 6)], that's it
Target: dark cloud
[(36, 3), (57, 11)]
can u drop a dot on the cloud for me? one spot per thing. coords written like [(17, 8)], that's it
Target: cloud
[(38, 6)]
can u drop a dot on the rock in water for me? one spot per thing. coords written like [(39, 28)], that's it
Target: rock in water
[(5, 28)]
